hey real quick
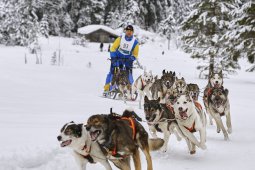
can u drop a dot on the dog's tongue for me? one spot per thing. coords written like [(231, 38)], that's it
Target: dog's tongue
[(183, 114), (66, 143), (217, 85), (93, 135), (218, 104)]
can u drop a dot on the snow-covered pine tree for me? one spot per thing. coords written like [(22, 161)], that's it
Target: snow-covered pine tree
[(240, 39), (66, 25), (131, 13), (82, 14), (203, 29), (167, 27), (19, 24), (97, 11), (44, 26)]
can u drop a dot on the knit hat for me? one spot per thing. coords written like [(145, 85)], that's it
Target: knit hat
[(129, 27)]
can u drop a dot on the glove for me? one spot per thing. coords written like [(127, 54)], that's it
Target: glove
[(113, 54), (132, 58)]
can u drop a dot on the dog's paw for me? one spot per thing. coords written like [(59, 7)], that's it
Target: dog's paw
[(226, 138), (203, 146), (218, 130), (211, 122), (163, 149), (192, 152), (229, 130)]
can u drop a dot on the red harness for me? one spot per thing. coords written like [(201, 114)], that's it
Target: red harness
[(170, 107), (192, 128), (132, 126)]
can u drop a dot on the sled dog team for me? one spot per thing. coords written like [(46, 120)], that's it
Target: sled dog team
[(170, 107)]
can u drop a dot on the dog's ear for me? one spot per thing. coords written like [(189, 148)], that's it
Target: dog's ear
[(183, 79), (158, 100), (164, 72), (174, 73), (72, 122), (225, 91), (146, 99), (220, 73), (79, 130), (210, 74)]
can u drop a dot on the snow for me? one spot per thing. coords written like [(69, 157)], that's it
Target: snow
[(37, 100), (92, 28)]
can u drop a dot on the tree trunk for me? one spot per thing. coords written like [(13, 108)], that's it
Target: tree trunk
[(169, 40)]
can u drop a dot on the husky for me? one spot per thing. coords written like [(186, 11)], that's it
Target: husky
[(215, 81), (122, 136), (193, 90), (76, 137), (160, 86), (180, 85), (218, 106), (160, 118), (143, 84), (190, 119), (121, 82)]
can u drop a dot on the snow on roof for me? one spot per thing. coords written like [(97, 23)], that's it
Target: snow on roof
[(92, 28), (137, 31)]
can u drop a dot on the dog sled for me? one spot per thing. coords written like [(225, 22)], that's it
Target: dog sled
[(120, 86)]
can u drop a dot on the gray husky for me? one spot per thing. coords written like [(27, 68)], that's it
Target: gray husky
[(160, 86), (218, 106), (194, 91)]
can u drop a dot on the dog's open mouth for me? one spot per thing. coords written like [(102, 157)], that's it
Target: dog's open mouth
[(218, 103), (66, 143), (184, 114), (217, 85), (95, 134), (151, 120)]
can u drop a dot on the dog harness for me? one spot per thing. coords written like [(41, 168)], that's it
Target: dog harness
[(132, 126), (198, 105), (192, 128), (143, 85), (199, 108), (88, 157), (170, 107)]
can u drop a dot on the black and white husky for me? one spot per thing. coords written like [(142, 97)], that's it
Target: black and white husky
[(160, 119), (85, 151), (142, 85), (190, 119)]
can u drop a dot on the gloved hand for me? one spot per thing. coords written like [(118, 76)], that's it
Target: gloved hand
[(113, 54), (132, 58)]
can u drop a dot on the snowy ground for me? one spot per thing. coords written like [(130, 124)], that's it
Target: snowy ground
[(37, 100)]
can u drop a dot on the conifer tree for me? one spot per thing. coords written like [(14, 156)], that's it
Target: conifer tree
[(203, 30)]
